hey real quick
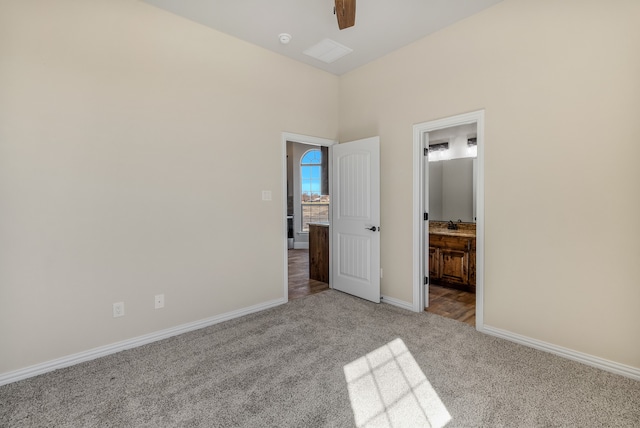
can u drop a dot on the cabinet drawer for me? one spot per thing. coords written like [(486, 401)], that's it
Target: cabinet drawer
[(450, 242)]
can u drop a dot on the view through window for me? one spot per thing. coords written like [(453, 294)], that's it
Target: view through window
[(315, 205)]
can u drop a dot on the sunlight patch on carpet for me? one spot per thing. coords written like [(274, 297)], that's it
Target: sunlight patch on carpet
[(388, 388)]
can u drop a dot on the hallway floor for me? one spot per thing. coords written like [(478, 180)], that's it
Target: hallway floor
[(299, 283), (451, 303)]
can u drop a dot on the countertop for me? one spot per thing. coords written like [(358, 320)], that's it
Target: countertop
[(319, 224), (453, 232)]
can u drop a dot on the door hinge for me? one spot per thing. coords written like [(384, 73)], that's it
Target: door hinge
[(426, 151), (426, 280), (426, 216)]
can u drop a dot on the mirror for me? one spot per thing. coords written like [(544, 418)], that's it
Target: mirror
[(452, 174)]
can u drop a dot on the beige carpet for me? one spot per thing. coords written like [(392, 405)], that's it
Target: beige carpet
[(326, 360)]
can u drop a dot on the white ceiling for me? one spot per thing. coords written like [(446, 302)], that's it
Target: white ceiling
[(382, 26)]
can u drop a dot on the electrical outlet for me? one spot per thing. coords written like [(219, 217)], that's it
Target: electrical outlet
[(159, 301), (118, 309)]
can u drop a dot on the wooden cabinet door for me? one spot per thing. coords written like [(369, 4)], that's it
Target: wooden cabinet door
[(454, 266), (434, 263), (472, 269)]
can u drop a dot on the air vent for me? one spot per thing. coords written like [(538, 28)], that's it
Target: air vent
[(328, 51)]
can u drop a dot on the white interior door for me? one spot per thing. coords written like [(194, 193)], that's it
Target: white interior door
[(355, 223)]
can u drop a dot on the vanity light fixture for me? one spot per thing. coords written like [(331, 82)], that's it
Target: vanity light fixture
[(438, 150), (438, 146), (472, 147)]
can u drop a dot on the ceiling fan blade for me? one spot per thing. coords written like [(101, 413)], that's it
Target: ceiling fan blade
[(346, 13)]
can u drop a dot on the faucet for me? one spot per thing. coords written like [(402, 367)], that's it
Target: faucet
[(452, 225)]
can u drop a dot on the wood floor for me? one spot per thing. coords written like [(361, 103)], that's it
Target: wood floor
[(447, 302), (451, 303), (299, 283)]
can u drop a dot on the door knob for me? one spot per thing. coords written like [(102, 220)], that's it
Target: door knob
[(372, 228)]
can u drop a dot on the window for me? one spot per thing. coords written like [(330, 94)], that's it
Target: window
[(315, 205)]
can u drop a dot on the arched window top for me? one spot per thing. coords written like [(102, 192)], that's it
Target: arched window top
[(311, 157), (315, 205)]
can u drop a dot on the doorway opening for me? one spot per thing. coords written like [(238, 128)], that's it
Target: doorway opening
[(306, 205), (449, 217)]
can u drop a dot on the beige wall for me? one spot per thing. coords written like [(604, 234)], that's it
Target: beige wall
[(124, 169), (560, 85), (134, 146)]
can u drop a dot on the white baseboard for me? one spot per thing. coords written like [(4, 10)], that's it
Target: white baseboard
[(601, 363), (300, 245), (48, 366), (395, 302), (103, 351)]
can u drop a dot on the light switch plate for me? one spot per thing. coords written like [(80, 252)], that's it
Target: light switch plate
[(266, 195)]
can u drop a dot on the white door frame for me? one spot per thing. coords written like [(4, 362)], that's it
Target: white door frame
[(303, 139), (419, 130)]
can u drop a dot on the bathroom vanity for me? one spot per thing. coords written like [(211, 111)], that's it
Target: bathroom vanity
[(452, 256)]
